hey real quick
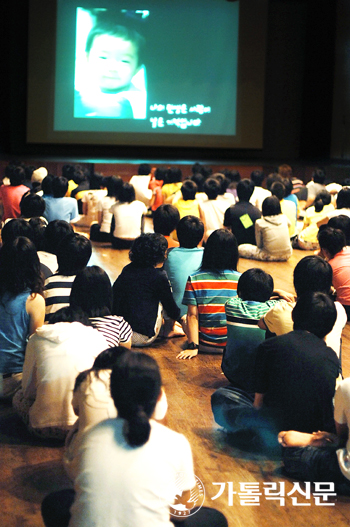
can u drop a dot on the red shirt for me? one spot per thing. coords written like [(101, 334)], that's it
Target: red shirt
[(11, 197), (341, 275)]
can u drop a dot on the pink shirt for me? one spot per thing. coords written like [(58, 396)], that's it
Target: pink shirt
[(341, 275), (11, 197)]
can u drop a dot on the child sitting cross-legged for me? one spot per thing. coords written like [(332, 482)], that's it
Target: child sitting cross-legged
[(254, 290)]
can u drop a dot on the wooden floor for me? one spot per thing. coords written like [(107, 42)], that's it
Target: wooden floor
[(29, 469)]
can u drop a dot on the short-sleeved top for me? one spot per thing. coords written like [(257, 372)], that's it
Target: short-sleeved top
[(341, 275), (258, 196), (127, 219), (56, 293), (60, 209), (297, 374), (342, 416), (11, 197), (119, 485), (105, 206), (279, 320), (188, 207), (313, 189), (179, 265), (114, 329), (243, 337), (210, 292), (241, 219), (137, 293), (14, 331)]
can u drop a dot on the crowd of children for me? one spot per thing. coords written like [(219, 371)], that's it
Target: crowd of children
[(64, 329)]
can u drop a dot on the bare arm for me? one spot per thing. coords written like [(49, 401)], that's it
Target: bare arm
[(35, 307), (262, 324), (258, 400), (192, 332)]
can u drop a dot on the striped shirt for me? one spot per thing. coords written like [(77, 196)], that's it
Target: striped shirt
[(209, 292), (56, 293), (115, 329), (243, 337)]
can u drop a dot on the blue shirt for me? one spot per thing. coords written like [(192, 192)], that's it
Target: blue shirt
[(14, 331), (60, 209)]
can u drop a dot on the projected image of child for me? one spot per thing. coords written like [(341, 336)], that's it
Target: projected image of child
[(110, 79)]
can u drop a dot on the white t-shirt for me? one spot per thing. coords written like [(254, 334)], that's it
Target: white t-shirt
[(55, 354), (128, 217), (142, 192), (105, 206), (342, 416), (258, 196), (123, 486)]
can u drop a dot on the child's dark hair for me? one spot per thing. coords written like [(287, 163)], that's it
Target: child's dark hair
[(271, 206), (92, 292), (69, 314), (333, 240), (220, 252), (211, 187), (135, 388), (255, 285), (32, 205), (126, 193), (323, 198), (312, 273), (319, 176), (174, 175), (314, 312), (245, 189), (144, 168), (17, 176), (257, 176), (148, 250), (343, 199), (14, 228), (278, 189), (189, 190), (342, 223), (165, 219), (59, 186), (73, 254), (54, 234), (190, 231), (113, 184)]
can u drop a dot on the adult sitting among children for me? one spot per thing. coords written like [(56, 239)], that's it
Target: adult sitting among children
[(142, 291)]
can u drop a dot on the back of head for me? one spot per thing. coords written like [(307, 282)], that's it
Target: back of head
[(189, 190), (288, 186), (20, 267), (68, 171), (165, 219), (17, 176), (343, 199), (114, 185), (232, 175), (54, 234), (257, 177), (148, 250), (223, 182), (144, 169), (278, 190), (14, 228), (135, 388), (272, 178), (190, 231), (126, 193), (285, 171), (92, 292), (255, 285), (59, 186), (46, 184), (38, 226), (271, 206), (245, 189), (342, 223), (174, 175), (319, 176), (322, 198), (69, 314), (211, 187), (32, 205), (199, 180), (79, 175), (220, 252), (315, 312), (311, 274), (331, 240), (73, 254), (160, 174)]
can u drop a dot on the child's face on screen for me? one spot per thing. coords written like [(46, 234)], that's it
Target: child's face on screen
[(113, 62)]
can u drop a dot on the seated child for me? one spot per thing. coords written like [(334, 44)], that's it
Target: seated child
[(184, 260), (115, 83), (187, 204), (243, 312)]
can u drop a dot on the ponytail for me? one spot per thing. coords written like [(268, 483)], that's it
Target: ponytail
[(135, 388)]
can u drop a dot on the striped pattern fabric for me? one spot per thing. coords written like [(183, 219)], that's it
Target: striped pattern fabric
[(243, 313), (210, 292), (56, 293), (115, 329)]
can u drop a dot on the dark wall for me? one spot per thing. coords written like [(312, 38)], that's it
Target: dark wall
[(298, 88)]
